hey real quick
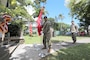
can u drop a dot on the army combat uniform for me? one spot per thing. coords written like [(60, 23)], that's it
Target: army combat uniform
[(74, 31), (46, 34)]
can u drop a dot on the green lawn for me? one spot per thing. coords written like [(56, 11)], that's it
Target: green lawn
[(38, 39), (80, 52), (32, 40)]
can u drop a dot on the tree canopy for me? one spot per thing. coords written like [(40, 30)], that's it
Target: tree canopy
[(17, 7), (37, 6), (80, 9)]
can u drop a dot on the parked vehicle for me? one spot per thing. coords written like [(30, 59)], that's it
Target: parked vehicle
[(82, 33), (68, 33)]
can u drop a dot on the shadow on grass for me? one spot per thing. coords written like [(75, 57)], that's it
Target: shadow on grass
[(79, 52), (56, 41)]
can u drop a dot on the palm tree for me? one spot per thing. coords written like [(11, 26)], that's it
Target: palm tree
[(61, 17)]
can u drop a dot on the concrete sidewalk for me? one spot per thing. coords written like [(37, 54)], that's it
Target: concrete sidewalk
[(7, 50), (34, 51)]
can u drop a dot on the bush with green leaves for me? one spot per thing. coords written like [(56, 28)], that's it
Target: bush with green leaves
[(15, 28)]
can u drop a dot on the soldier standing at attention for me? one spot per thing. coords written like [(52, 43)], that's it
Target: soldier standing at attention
[(46, 34)]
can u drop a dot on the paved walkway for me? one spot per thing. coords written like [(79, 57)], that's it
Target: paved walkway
[(7, 50), (34, 51)]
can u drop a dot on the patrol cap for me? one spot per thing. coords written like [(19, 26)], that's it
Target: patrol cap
[(45, 17)]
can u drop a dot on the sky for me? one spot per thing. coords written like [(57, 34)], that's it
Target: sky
[(56, 7)]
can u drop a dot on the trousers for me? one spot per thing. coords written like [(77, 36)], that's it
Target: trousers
[(74, 37), (46, 40)]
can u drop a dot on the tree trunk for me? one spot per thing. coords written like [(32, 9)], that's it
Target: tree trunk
[(87, 30), (21, 33)]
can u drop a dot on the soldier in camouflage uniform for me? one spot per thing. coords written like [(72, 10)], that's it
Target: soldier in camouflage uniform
[(46, 34), (74, 31)]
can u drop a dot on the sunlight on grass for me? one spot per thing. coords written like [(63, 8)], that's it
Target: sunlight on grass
[(38, 39), (80, 52), (32, 40)]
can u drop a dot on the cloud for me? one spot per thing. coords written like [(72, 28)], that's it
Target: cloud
[(66, 2)]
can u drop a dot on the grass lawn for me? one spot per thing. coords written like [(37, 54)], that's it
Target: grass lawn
[(38, 39), (80, 52), (32, 40)]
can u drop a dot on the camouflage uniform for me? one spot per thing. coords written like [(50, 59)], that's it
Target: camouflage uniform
[(74, 31), (46, 34)]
